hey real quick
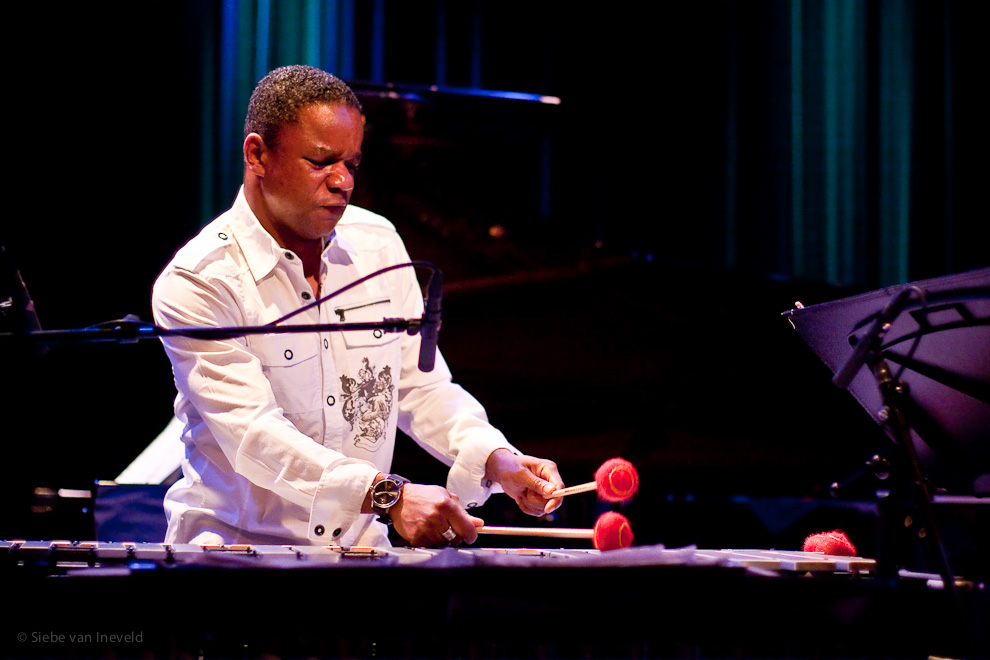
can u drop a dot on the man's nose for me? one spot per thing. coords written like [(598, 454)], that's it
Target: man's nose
[(340, 178)]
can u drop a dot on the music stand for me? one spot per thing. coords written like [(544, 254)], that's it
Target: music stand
[(926, 349)]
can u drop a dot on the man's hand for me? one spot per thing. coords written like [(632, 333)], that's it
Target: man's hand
[(424, 513), (526, 479)]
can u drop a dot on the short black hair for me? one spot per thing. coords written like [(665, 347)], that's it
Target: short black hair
[(280, 95)]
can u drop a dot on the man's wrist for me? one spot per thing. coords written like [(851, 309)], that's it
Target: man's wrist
[(366, 505), (493, 466)]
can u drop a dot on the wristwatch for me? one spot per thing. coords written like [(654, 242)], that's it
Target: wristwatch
[(385, 494)]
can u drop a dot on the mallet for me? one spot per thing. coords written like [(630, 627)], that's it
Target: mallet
[(611, 532), (616, 481), (830, 543)]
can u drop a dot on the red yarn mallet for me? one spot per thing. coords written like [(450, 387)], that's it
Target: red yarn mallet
[(616, 481), (830, 543), (611, 532)]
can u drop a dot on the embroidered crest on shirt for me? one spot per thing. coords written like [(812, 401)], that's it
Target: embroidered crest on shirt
[(368, 404)]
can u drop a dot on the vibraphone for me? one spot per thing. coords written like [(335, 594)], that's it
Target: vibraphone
[(67, 557), (329, 601)]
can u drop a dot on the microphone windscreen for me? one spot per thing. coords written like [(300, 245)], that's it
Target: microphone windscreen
[(616, 480), (612, 531), (430, 330), (830, 543)]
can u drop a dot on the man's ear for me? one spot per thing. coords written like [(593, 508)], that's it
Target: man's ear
[(255, 154)]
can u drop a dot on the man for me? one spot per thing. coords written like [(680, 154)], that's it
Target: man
[(289, 437)]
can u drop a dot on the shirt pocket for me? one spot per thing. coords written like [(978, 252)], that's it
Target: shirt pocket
[(291, 364), (366, 310)]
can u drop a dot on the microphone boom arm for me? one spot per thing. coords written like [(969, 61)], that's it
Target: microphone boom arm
[(131, 329)]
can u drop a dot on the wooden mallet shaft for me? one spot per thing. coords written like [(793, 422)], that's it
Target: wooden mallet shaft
[(572, 490), (547, 532), (611, 531)]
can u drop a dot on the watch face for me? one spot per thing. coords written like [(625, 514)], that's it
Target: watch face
[(386, 493)]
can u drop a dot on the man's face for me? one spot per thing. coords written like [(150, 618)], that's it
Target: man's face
[(309, 174)]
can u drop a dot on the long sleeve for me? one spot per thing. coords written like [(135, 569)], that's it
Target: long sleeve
[(235, 420)]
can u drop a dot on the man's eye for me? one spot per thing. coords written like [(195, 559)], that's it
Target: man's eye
[(323, 164)]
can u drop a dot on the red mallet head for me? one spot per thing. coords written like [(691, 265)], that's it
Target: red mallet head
[(616, 480), (831, 543), (612, 531)]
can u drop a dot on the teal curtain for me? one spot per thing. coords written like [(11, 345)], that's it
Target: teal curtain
[(817, 163), (835, 197), (828, 127), (896, 67)]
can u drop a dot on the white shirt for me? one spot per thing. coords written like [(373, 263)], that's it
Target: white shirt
[(284, 433)]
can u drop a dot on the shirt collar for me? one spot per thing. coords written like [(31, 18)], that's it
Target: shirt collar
[(341, 242), (261, 252)]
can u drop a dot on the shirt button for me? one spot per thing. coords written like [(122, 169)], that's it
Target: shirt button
[(289, 256), (319, 530), (326, 343), (306, 295), (331, 400), (488, 483), (288, 354), (338, 531)]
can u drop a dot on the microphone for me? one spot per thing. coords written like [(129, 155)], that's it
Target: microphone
[(430, 328)]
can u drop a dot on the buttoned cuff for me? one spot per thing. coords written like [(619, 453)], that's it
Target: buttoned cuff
[(337, 504), (466, 477)]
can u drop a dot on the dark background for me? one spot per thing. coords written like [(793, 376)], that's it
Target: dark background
[(604, 318)]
